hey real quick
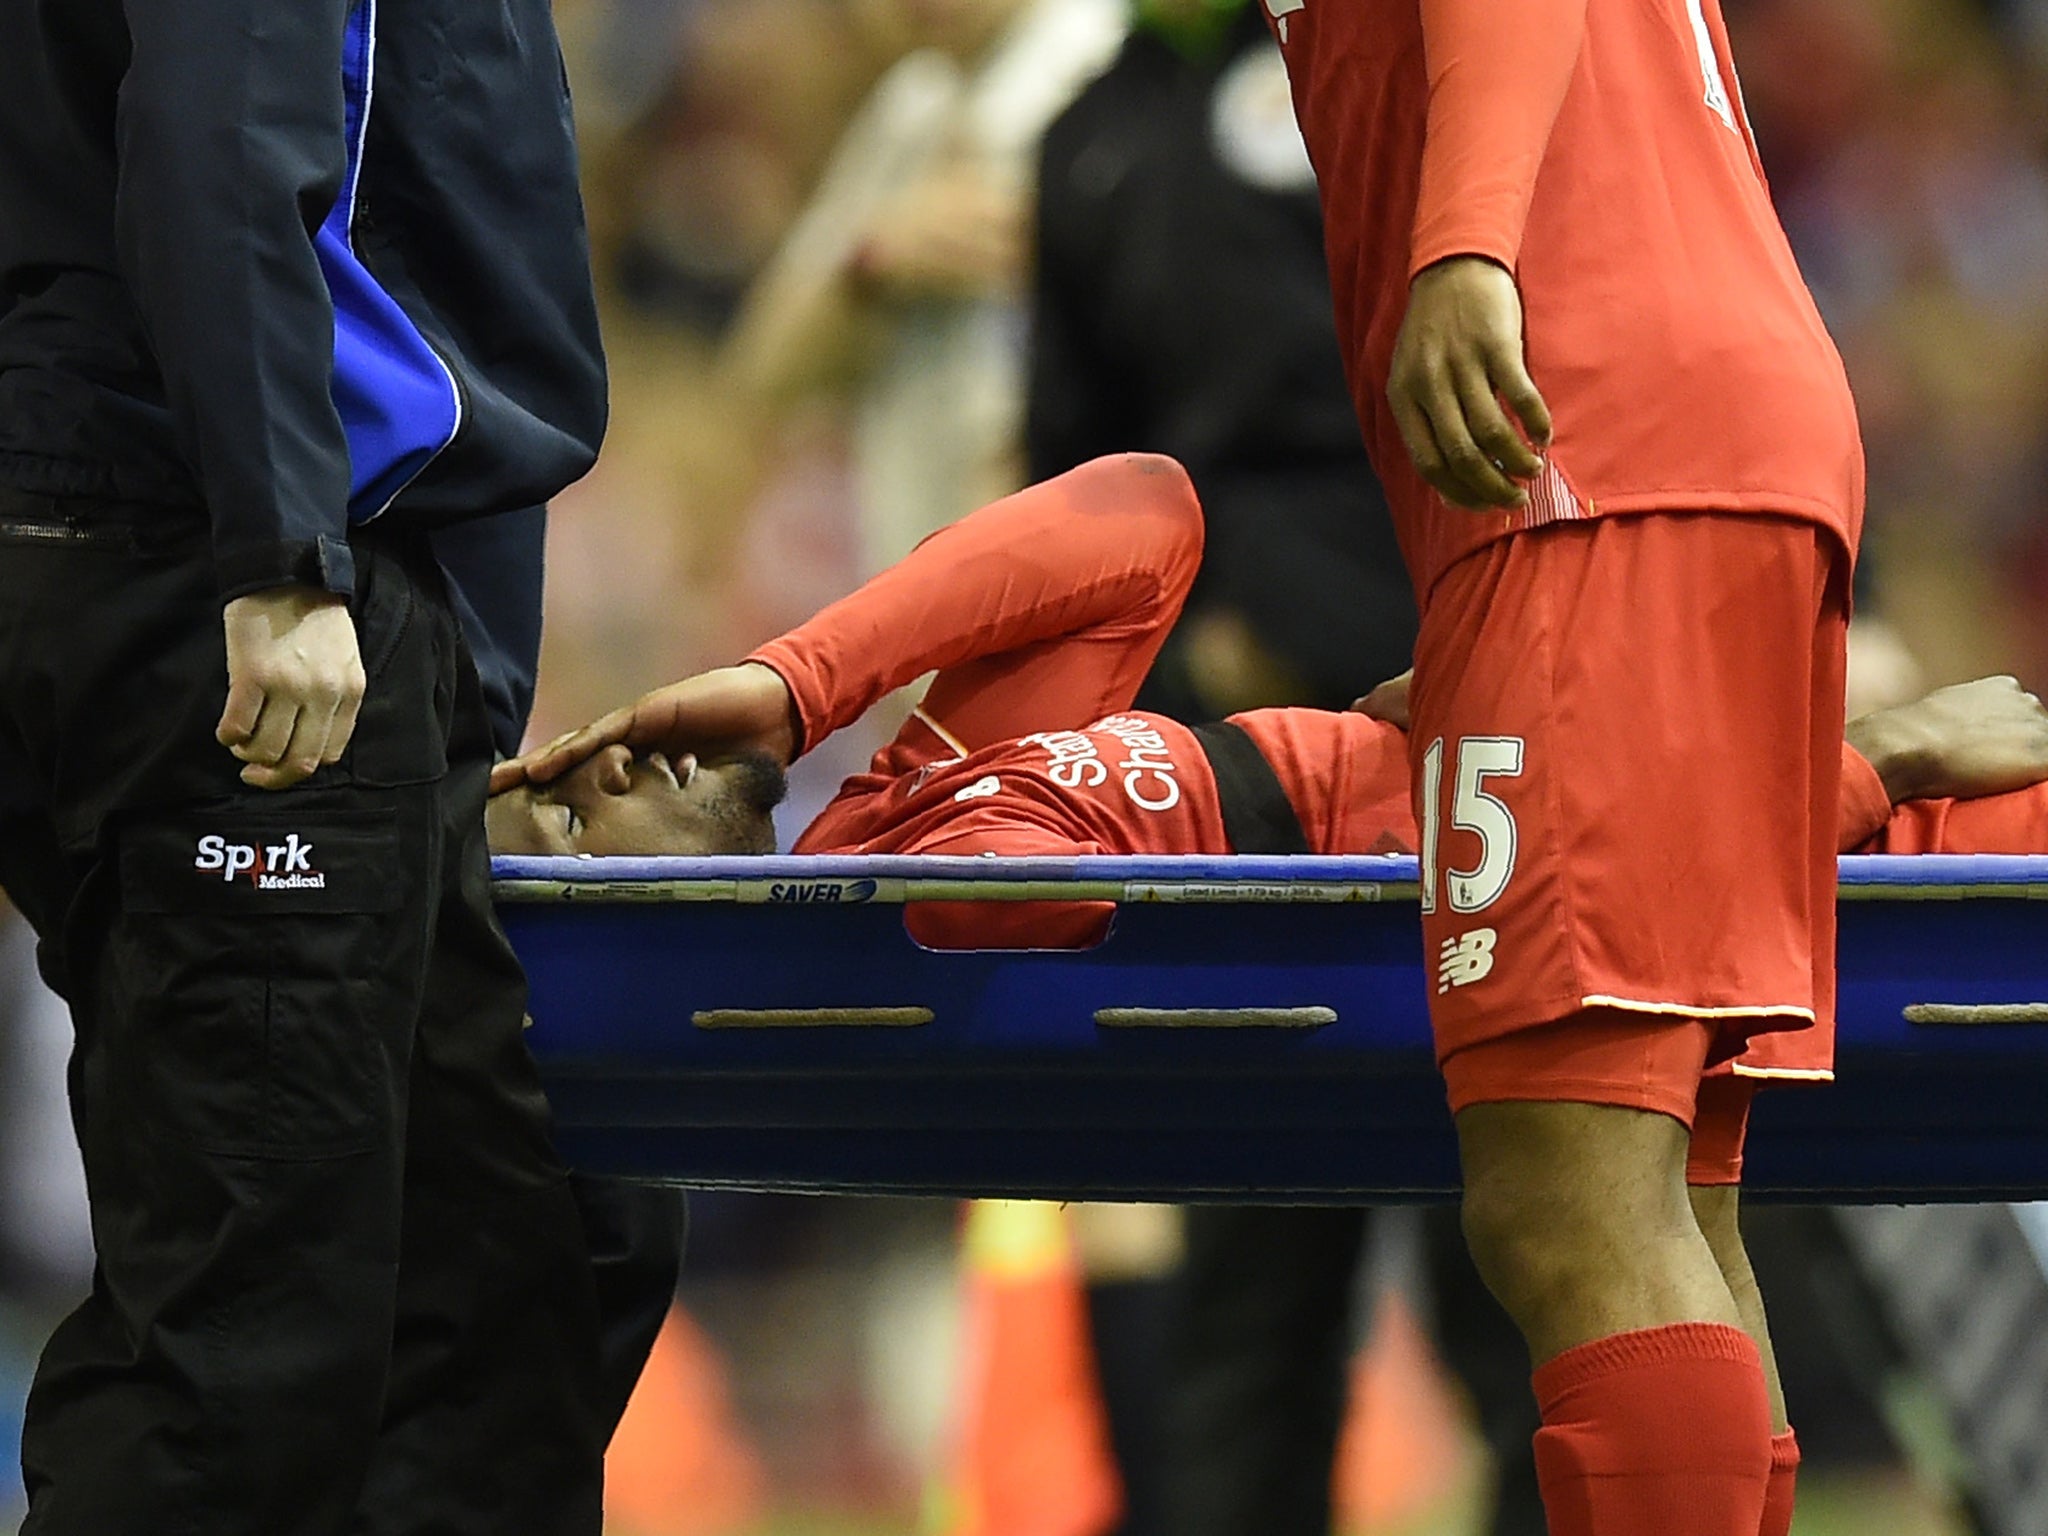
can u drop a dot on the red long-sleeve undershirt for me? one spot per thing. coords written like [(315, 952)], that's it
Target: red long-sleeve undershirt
[(1498, 71), (2013, 822), (1042, 611)]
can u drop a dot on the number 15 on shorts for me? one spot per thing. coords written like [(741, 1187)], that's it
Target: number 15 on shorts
[(1479, 759)]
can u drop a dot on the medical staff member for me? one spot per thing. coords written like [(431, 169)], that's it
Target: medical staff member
[(496, 569), (281, 288)]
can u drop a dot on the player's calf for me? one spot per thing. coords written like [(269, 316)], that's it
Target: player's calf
[(1717, 1207), (1655, 1411)]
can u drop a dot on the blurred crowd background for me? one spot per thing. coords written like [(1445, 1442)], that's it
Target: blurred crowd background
[(813, 227)]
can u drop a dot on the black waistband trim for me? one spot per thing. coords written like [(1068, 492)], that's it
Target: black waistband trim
[(1257, 815)]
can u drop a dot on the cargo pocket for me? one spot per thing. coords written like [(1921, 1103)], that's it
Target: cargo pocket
[(406, 633), (261, 982)]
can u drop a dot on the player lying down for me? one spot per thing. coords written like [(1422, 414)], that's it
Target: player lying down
[(1041, 614)]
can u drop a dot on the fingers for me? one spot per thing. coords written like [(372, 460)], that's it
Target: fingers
[(515, 771), (728, 709), (238, 720), (1457, 357), (292, 741), (1388, 701), (295, 683), (1456, 465), (1506, 453), (1475, 438), (273, 734), (1511, 377), (622, 727), (1419, 438), (301, 753), (565, 752)]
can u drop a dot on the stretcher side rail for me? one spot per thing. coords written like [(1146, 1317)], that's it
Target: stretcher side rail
[(1252, 1028)]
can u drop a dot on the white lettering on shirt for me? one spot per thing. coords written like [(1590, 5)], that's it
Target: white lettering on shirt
[(1150, 778)]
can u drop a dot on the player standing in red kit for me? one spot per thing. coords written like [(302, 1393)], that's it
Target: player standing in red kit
[(1557, 204)]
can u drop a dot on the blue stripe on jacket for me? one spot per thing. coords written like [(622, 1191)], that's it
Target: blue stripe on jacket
[(398, 402)]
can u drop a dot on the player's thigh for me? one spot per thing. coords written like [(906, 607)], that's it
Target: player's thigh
[(1621, 794), (1572, 1138), (1558, 1159), (1562, 1194)]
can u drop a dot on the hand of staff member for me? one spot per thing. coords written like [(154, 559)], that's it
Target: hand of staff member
[(1458, 355), (295, 683)]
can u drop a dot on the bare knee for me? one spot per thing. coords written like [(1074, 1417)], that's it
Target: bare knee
[(1538, 1245), (1573, 1213)]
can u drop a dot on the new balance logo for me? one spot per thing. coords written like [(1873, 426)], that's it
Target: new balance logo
[(1464, 959), (285, 866)]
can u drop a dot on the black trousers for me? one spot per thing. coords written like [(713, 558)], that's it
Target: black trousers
[(1260, 1369), (341, 1285)]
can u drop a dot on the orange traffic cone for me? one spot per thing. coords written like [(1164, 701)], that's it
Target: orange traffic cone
[(1031, 1453), (1403, 1448), (680, 1463)]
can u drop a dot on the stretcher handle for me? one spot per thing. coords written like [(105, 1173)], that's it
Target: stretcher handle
[(1215, 1018), (1976, 1013), (810, 1018)]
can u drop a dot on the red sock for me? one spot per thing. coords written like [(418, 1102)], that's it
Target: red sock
[(1665, 1431), (1784, 1474)]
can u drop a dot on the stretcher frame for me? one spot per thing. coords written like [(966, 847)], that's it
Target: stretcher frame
[(1252, 1029)]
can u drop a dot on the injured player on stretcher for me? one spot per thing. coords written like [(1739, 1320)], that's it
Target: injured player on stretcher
[(1040, 615)]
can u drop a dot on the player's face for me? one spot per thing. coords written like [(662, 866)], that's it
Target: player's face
[(615, 803)]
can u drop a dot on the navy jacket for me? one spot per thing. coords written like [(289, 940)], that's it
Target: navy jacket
[(495, 571), (303, 262)]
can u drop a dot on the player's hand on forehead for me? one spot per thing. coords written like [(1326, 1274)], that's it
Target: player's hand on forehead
[(1458, 354), (730, 710)]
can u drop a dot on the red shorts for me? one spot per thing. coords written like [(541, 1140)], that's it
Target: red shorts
[(1605, 1056), (1627, 743)]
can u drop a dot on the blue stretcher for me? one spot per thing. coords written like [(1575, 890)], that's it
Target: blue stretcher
[(1253, 1028)]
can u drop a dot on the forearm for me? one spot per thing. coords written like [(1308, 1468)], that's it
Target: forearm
[(232, 150), (1089, 551), (1865, 804), (1498, 73)]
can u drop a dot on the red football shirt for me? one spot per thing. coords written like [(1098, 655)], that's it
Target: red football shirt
[(1041, 615), (1597, 149), (2014, 822)]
